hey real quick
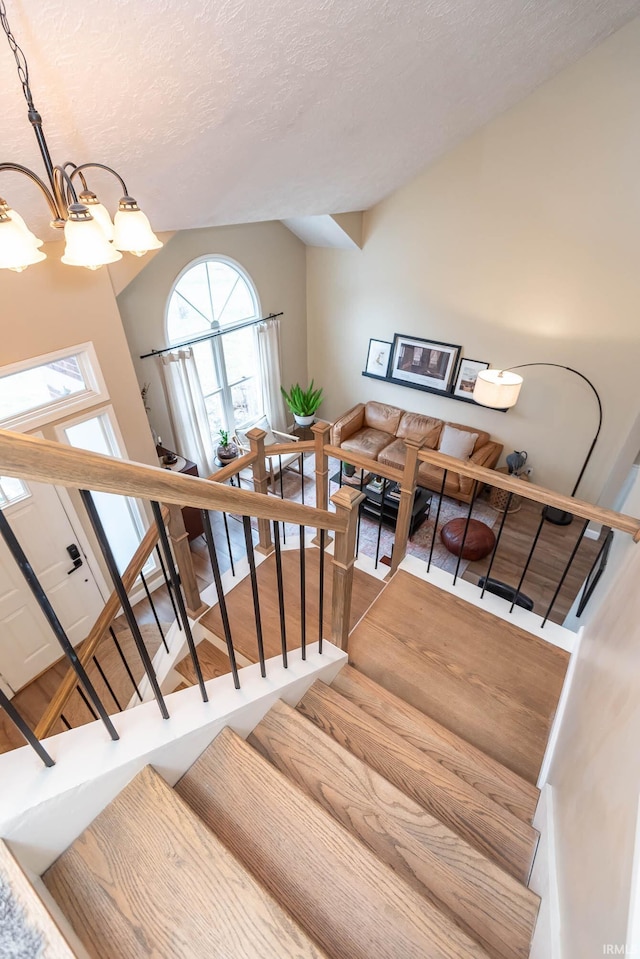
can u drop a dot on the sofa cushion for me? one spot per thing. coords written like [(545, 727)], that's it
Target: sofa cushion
[(424, 429), (458, 443), (431, 477), (483, 436), (379, 416), (368, 442), (394, 454)]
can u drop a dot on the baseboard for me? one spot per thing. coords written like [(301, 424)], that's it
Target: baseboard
[(546, 942)]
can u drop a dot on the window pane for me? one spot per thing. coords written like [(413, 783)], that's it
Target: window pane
[(203, 354), (230, 294), (247, 403), (183, 320), (194, 287), (12, 491), (215, 414), (119, 515), (40, 386), (240, 354)]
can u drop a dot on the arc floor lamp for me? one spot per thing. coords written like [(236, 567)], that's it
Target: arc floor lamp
[(499, 389)]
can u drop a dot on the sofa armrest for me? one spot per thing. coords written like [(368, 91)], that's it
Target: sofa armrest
[(347, 424), (487, 456)]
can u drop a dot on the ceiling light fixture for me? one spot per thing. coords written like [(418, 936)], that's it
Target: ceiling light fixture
[(92, 240)]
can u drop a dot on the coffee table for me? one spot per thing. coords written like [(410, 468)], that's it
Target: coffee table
[(373, 506)]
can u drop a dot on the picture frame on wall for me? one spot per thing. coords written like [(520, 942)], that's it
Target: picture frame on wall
[(425, 364), (466, 377), (378, 358)]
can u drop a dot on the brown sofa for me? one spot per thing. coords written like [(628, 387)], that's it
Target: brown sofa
[(379, 431)]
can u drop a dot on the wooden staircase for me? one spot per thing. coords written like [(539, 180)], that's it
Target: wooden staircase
[(359, 825)]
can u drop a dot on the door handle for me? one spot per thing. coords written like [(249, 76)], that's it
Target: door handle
[(74, 553)]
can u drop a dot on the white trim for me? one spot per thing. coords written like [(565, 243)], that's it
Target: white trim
[(554, 733), (633, 918), (46, 810), (95, 393), (547, 941)]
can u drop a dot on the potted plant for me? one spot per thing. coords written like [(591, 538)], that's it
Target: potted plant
[(303, 403), (226, 450)]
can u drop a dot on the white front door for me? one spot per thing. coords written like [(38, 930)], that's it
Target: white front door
[(42, 527)]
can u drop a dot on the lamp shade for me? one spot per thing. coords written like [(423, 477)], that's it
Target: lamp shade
[(133, 233), (17, 249), (498, 389), (98, 211), (5, 208), (86, 244)]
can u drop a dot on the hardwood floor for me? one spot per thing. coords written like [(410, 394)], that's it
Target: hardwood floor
[(485, 679)]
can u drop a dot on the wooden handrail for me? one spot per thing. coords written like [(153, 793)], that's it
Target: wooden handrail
[(103, 622), (539, 494), (44, 461), (358, 459), (233, 468)]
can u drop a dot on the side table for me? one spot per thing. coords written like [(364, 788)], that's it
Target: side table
[(498, 498)]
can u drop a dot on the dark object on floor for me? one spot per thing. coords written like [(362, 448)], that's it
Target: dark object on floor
[(559, 517), (478, 543), (505, 592)]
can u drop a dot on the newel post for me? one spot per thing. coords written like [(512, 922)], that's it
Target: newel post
[(407, 493), (260, 485), (346, 502), (184, 560), (321, 434)]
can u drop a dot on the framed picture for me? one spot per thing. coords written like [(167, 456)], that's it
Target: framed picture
[(423, 363), (596, 572), (378, 357), (466, 378)]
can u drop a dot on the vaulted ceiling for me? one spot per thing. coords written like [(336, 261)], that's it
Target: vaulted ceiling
[(240, 110)]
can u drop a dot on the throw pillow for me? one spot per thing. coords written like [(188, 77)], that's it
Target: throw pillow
[(457, 443)]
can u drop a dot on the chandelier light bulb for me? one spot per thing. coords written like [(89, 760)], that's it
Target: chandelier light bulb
[(133, 233), (99, 212), (86, 244), (17, 251), (17, 219)]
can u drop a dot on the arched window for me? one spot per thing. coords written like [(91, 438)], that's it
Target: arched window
[(214, 293)]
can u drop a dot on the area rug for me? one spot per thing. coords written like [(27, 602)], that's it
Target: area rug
[(17, 939), (418, 546)]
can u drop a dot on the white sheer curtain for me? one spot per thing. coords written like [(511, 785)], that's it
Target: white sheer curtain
[(268, 338), (187, 411)]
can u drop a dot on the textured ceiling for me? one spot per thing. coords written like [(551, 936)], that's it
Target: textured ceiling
[(232, 111)]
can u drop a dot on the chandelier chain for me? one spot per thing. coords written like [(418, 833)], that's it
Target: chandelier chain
[(21, 60)]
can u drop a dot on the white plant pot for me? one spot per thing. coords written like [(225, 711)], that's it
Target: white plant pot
[(303, 420)]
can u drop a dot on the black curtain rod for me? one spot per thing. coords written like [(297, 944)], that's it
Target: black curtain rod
[(209, 336)]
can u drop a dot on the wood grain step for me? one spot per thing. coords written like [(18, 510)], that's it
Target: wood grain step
[(479, 770), (147, 878), (476, 818), (213, 662), (483, 678), (35, 915), (353, 904), (488, 903)]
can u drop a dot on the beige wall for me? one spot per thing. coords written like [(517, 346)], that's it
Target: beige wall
[(51, 306), (521, 245), (275, 260)]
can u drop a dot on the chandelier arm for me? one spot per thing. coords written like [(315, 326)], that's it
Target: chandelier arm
[(69, 165), (100, 166), (48, 195), (65, 188), (570, 369)]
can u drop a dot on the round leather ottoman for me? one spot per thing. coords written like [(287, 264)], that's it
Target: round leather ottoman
[(478, 544)]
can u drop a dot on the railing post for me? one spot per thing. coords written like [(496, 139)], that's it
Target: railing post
[(346, 502), (321, 432), (261, 485), (182, 552), (407, 493)]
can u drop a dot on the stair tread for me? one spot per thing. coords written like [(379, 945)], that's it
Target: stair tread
[(148, 878), (35, 914), (490, 828), (469, 763), (490, 682), (487, 902), (353, 904), (213, 662)]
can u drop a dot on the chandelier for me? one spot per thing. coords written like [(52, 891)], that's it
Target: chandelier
[(92, 239)]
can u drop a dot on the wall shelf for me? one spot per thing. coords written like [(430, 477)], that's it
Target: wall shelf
[(429, 389)]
